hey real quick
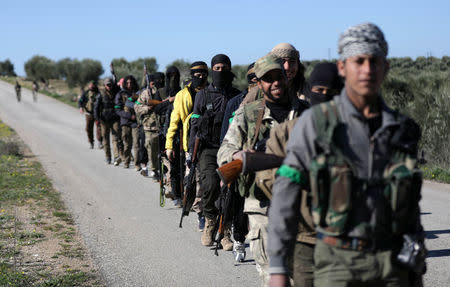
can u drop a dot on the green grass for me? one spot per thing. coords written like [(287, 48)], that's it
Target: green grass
[(437, 174), (69, 279), (23, 182)]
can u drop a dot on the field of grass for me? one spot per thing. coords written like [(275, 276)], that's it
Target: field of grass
[(39, 243)]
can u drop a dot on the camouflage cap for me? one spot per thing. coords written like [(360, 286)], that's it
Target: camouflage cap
[(265, 64), (107, 81)]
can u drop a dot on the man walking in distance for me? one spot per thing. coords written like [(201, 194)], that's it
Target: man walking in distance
[(86, 106), (124, 107), (35, 90), (105, 113), (18, 89), (358, 159), (248, 131), (206, 123), (179, 121)]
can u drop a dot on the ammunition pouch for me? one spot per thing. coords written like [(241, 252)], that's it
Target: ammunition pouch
[(403, 191), (331, 186), (210, 126)]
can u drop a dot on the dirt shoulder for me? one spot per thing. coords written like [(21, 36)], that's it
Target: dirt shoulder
[(39, 242)]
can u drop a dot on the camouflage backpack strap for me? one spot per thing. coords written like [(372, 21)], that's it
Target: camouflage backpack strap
[(258, 123), (326, 120)]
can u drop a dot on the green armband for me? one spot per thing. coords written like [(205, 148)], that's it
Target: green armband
[(139, 103), (291, 173), (195, 116)]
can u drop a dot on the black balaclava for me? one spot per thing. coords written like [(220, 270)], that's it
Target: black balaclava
[(201, 67), (323, 74), (251, 73), (172, 81), (221, 79), (159, 80)]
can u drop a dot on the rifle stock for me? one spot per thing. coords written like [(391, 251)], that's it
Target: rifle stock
[(153, 102), (251, 162), (229, 172)]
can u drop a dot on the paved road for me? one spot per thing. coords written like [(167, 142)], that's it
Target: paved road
[(133, 240)]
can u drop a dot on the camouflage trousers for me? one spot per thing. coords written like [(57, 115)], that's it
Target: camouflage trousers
[(303, 265), (111, 130), (90, 122), (258, 244), (342, 267), (152, 146), (130, 138)]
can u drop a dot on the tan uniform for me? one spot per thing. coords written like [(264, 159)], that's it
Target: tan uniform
[(149, 120)]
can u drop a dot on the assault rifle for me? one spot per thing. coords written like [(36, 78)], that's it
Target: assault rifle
[(189, 182), (251, 162), (223, 205), (162, 182), (147, 86)]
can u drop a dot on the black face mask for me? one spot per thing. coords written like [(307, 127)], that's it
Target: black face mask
[(222, 79), (198, 82), (316, 98), (159, 84), (172, 82)]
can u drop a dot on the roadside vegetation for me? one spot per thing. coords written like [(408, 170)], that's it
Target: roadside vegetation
[(39, 242)]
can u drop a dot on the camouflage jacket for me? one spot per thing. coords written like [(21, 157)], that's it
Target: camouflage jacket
[(276, 144), (240, 137), (87, 101), (145, 113)]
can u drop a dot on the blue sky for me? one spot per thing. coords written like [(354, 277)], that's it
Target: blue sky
[(197, 30)]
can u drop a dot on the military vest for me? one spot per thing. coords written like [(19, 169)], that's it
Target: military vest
[(247, 184), (90, 97), (332, 179)]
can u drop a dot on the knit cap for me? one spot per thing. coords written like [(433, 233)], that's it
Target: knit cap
[(285, 50)]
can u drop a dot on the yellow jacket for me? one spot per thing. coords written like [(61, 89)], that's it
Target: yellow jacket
[(182, 110)]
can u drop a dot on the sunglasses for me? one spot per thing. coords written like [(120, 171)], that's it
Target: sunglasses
[(268, 78)]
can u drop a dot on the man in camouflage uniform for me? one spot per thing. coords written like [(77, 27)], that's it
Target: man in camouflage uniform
[(323, 84), (104, 112), (86, 106), (249, 130), (358, 159), (150, 121)]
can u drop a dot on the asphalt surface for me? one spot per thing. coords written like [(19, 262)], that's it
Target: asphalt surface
[(132, 239)]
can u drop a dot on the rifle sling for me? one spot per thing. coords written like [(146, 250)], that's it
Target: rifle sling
[(258, 123)]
